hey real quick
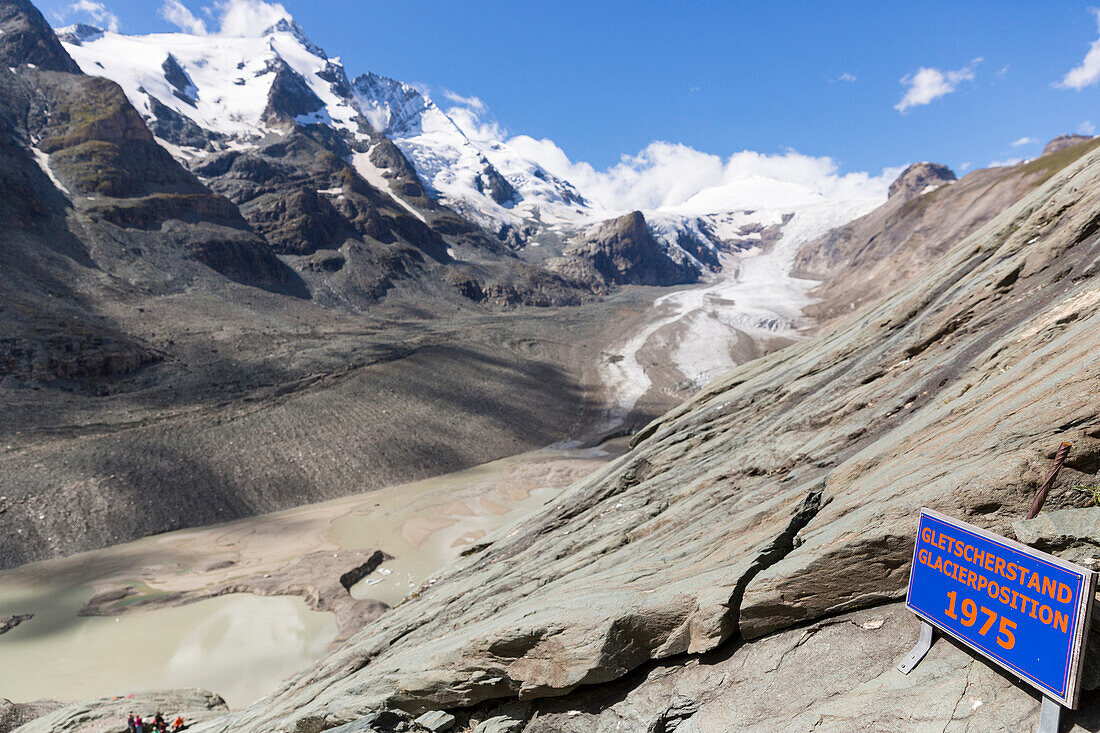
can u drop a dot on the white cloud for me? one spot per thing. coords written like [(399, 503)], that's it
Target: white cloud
[(458, 99), (474, 119), (1086, 128), (847, 77), (668, 175), (1088, 72), (1006, 162), (248, 18), (98, 13), (178, 15), (233, 18), (1024, 141), (928, 84), (1003, 70), (965, 167)]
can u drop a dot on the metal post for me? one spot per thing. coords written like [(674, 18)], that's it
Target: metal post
[(927, 636), (1050, 716), (1041, 496)]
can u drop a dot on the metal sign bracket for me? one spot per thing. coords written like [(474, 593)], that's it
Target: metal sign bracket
[(927, 636), (1050, 714)]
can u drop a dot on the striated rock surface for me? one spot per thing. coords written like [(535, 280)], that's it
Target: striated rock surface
[(750, 524), (1070, 533)]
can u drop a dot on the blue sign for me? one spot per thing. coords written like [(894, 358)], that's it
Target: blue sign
[(1025, 609)]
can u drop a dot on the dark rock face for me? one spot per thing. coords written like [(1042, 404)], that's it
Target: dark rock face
[(73, 355), (79, 33), (26, 38), (490, 181), (99, 145), (622, 252), (290, 96), (1064, 141), (304, 199), (915, 180), (399, 170), (518, 285), (704, 251), (182, 85), (169, 125), (334, 74)]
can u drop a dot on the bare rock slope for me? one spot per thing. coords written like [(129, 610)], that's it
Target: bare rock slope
[(924, 217), (696, 583)]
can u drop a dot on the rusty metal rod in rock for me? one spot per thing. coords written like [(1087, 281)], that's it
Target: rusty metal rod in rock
[(1041, 496)]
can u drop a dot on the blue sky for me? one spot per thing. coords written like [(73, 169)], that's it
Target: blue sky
[(605, 79)]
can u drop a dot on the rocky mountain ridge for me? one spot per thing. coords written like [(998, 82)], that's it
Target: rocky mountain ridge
[(159, 324), (233, 92), (873, 255)]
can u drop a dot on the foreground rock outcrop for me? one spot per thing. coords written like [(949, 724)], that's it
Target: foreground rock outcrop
[(109, 713), (13, 715), (770, 509), (7, 623)]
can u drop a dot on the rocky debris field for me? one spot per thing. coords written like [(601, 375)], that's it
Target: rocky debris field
[(253, 414)]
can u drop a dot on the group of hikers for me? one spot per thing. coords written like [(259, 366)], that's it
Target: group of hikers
[(135, 724)]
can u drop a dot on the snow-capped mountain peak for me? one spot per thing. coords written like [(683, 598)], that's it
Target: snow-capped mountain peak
[(225, 85), (78, 33), (230, 90)]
